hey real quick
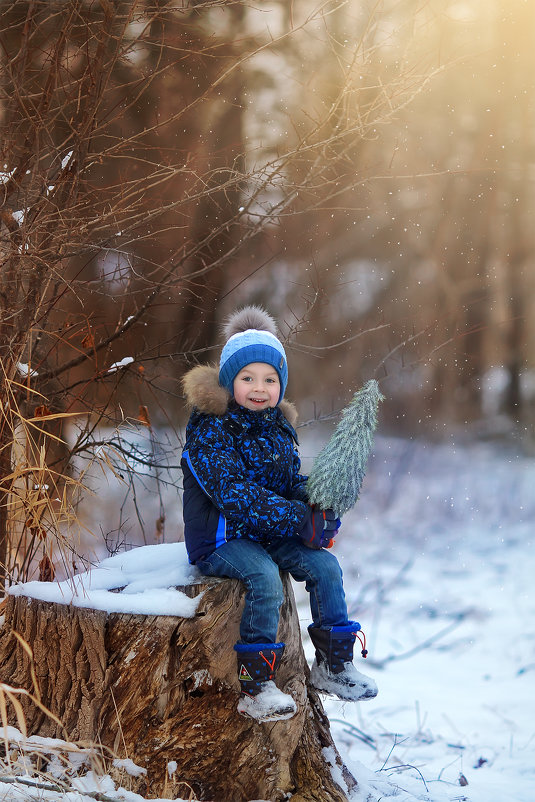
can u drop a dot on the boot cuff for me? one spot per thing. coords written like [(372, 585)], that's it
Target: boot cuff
[(343, 629), (257, 647), (350, 627)]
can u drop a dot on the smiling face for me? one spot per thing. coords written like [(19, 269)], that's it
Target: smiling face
[(257, 386)]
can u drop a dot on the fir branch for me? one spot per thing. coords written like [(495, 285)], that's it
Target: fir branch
[(338, 471)]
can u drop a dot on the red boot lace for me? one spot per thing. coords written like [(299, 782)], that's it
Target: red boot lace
[(362, 640)]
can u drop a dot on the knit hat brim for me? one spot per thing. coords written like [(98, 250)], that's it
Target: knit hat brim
[(252, 346)]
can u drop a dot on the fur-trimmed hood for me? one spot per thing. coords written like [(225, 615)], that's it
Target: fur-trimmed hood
[(203, 391)]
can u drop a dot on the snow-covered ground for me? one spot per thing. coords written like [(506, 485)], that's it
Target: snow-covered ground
[(438, 564)]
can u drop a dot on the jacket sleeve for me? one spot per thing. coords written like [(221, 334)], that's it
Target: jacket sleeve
[(220, 471), (299, 481)]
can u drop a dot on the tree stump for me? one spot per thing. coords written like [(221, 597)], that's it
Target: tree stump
[(162, 691)]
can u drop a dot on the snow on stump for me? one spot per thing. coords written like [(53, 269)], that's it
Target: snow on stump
[(161, 688)]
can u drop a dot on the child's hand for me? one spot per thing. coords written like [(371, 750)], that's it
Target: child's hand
[(319, 528)]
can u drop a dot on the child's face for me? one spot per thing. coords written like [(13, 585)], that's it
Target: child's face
[(257, 386)]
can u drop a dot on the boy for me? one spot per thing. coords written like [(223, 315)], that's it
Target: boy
[(246, 515)]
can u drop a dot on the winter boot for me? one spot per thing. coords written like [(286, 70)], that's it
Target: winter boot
[(333, 671), (260, 698)]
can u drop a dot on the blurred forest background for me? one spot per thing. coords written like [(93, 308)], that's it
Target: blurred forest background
[(365, 170)]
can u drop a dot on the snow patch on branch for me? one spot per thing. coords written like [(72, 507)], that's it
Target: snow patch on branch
[(5, 174), (25, 370), (66, 159), (122, 364)]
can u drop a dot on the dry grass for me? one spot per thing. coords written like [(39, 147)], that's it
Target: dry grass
[(45, 763), (45, 486), (51, 764)]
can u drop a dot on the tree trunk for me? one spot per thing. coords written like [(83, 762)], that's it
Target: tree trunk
[(162, 691)]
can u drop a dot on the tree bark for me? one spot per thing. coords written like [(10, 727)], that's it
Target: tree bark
[(162, 690)]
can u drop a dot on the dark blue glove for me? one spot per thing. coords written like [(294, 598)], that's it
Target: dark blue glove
[(319, 528)]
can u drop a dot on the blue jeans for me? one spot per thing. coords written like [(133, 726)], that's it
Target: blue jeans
[(258, 568)]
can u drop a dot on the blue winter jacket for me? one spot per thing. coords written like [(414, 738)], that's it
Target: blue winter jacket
[(241, 471)]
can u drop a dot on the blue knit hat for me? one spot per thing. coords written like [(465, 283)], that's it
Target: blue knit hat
[(251, 338)]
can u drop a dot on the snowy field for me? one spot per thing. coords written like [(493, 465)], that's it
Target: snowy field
[(438, 565)]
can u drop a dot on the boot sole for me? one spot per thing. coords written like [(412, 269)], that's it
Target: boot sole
[(332, 695), (272, 717)]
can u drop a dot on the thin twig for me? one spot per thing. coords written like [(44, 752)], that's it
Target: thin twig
[(351, 729), (421, 646), (345, 341), (409, 766)]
